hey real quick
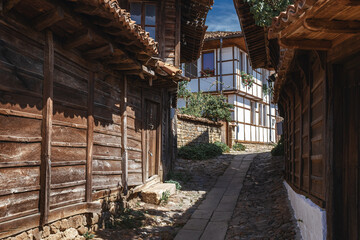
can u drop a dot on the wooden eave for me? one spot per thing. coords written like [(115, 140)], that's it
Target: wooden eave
[(193, 29), (98, 30), (255, 36), (234, 40), (312, 25)]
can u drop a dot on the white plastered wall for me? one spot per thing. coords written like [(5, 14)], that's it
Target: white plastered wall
[(311, 218)]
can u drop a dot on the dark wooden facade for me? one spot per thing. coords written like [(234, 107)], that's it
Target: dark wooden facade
[(317, 90), (84, 106)]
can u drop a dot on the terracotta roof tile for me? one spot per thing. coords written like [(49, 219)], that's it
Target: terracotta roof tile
[(220, 34)]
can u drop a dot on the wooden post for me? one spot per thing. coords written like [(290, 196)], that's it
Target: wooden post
[(124, 163), (90, 137), (178, 33), (309, 133), (45, 169)]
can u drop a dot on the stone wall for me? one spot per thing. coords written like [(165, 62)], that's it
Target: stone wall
[(76, 227), (193, 130)]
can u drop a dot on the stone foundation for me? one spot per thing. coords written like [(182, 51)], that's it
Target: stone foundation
[(76, 226)]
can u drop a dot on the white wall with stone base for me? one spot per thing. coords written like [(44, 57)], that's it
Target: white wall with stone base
[(311, 218)]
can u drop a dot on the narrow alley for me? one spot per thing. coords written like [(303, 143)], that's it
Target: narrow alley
[(248, 201)]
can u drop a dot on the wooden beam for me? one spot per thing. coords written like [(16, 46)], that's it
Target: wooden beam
[(332, 26), (9, 4), (148, 71), (90, 137), (48, 19), (45, 169), (306, 44), (125, 67), (78, 40), (100, 52), (349, 2), (124, 163)]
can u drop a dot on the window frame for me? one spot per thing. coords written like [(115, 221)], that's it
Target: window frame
[(202, 63), (143, 15)]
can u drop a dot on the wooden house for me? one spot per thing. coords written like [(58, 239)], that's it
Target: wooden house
[(219, 69), (314, 48), (85, 100)]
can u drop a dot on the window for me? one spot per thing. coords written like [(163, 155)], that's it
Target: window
[(145, 15), (191, 70), (208, 65)]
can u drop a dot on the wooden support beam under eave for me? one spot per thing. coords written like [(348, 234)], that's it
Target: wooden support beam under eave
[(349, 2), (9, 4), (306, 44), (100, 52), (48, 19), (332, 26), (78, 40)]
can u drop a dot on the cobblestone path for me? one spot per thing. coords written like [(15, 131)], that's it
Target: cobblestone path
[(210, 220), (248, 202), (263, 209)]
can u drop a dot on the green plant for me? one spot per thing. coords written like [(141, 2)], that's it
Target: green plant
[(165, 197), (278, 150), (88, 235), (239, 147), (247, 79), (212, 107), (223, 146), (267, 89), (265, 10), (177, 184), (179, 176), (183, 91), (200, 151)]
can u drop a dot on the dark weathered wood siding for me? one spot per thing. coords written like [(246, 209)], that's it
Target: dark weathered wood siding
[(62, 126), (303, 103)]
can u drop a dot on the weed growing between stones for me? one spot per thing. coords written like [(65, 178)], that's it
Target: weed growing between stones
[(179, 176), (165, 197), (88, 235)]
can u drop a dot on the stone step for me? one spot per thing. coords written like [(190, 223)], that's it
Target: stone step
[(154, 193)]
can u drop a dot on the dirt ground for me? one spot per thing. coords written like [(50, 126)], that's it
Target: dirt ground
[(148, 221)]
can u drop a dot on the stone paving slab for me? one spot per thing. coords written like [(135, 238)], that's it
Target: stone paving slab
[(215, 231), (213, 215)]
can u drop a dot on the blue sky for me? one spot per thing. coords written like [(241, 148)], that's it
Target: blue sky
[(223, 17)]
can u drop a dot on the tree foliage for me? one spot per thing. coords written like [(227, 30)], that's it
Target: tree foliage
[(265, 10), (212, 107)]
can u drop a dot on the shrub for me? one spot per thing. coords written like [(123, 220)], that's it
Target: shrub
[(239, 147), (208, 106), (278, 150), (179, 176), (177, 184), (224, 147), (200, 151)]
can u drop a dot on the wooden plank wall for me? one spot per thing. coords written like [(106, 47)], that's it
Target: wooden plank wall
[(304, 103), (61, 129), (135, 134), (21, 93)]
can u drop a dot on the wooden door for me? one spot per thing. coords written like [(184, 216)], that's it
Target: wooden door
[(350, 151), (152, 137)]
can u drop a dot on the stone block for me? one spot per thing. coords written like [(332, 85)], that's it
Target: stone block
[(55, 227), (70, 234), (82, 230), (64, 224), (56, 236), (154, 193), (75, 221), (45, 232), (36, 234)]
